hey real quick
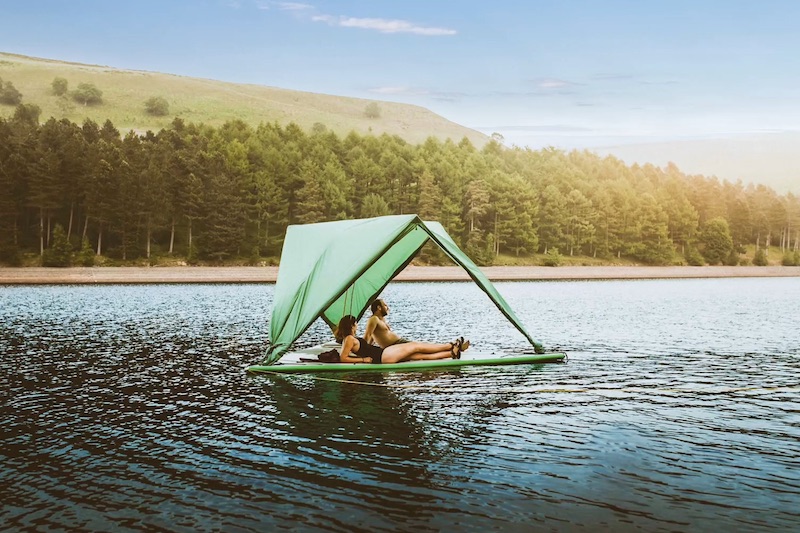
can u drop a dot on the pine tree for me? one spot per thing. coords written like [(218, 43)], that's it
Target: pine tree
[(60, 252), (716, 241), (653, 245), (86, 255), (311, 205), (552, 214)]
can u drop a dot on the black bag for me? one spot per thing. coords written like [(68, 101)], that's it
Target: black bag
[(331, 356)]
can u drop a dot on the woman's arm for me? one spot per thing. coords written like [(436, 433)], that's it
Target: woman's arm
[(348, 344)]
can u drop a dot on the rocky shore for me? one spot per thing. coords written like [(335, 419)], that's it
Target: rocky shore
[(56, 276)]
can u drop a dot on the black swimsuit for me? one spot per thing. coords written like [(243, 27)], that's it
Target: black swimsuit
[(366, 349)]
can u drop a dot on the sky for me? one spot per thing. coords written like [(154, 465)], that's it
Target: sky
[(564, 73)]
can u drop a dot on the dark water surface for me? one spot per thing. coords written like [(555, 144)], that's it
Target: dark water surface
[(126, 408)]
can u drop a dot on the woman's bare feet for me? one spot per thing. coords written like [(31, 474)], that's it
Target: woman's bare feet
[(455, 350), (458, 346)]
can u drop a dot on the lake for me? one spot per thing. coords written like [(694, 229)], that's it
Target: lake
[(126, 407)]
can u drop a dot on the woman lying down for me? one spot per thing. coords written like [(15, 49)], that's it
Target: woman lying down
[(408, 351)]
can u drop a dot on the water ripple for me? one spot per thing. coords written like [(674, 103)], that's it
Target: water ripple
[(126, 408)]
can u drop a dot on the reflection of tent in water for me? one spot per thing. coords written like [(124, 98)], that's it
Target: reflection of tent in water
[(332, 269)]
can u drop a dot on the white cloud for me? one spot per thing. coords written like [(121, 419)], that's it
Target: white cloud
[(283, 6), (375, 24), (608, 76), (382, 25), (443, 96), (538, 128), (293, 6), (552, 83), (397, 90)]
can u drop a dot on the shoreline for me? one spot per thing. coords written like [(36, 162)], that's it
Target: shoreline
[(161, 275)]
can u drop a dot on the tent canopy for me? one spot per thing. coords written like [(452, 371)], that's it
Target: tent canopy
[(332, 269)]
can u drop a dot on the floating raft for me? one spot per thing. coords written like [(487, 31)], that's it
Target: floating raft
[(304, 361)]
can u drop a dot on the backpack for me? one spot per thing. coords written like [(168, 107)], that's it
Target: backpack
[(331, 356)]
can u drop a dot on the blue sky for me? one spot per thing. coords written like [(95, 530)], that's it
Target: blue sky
[(566, 73)]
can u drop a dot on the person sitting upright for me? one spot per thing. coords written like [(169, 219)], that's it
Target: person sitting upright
[(378, 330)]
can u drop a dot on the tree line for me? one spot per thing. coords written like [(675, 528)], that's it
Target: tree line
[(230, 192)]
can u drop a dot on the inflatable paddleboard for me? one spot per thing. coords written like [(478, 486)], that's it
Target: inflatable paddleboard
[(304, 361)]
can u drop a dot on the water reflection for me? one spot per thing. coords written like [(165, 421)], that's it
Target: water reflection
[(127, 408)]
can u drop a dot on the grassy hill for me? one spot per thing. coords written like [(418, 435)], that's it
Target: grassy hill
[(211, 102)]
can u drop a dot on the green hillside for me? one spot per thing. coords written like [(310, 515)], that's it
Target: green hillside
[(211, 102)]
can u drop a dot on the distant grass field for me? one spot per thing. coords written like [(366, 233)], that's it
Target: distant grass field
[(212, 102)]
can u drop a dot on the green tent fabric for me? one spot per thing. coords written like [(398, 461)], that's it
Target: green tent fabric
[(336, 268)]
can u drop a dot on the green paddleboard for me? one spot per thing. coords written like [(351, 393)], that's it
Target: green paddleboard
[(314, 367)]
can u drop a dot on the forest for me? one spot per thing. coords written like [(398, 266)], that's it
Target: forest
[(72, 193)]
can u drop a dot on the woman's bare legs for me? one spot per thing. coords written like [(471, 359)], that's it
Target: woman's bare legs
[(430, 356), (417, 351)]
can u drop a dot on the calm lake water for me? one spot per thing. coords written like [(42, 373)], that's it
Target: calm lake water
[(127, 408)]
